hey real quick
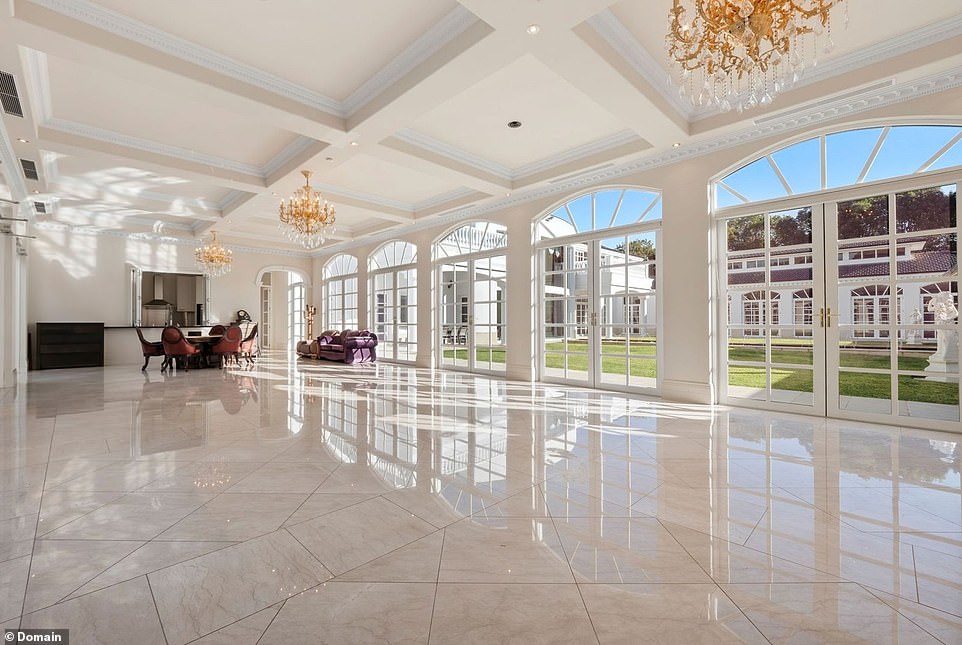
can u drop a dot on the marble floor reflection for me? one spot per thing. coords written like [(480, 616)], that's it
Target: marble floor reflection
[(305, 502)]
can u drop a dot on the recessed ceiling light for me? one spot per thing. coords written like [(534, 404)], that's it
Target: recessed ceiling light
[(274, 193), (328, 158), (22, 140), (354, 144), (533, 30), (507, 194), (36, 192), (676, 145), (514, 124)]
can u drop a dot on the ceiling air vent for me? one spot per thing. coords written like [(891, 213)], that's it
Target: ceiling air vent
[(40, 207), (9, 96), (29, 169)]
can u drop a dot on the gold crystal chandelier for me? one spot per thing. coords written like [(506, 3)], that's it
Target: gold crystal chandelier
[(741, 53), (309, 217), (213, 259)]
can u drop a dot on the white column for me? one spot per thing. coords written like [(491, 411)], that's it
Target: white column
[(13, 300)]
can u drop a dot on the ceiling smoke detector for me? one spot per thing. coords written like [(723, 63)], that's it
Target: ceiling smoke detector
[(514, 124)]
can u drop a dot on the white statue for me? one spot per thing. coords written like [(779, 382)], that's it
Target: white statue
[(914, 336), (942, 305), (945, 360)]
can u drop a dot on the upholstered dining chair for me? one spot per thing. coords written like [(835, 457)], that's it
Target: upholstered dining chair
[(216, 330), (248, 346), (150, 349), (228, 347), (176, 346)]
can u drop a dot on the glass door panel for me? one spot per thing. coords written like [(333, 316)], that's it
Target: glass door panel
[(600, 314), (772, 301), (472, 311), (895, 304)]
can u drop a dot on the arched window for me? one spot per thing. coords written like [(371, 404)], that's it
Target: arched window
[(471, 238), (598, 259), (471, 269), (600, 210), (340, 292), (842, 159), (393, 289)]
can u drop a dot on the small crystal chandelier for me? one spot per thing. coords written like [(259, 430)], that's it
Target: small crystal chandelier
[(213, 259), (309, 217), (741, 53)]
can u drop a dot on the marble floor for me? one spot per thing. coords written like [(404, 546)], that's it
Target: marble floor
[(306, 503)]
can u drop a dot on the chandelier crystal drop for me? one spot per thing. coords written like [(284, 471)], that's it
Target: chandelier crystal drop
[(741, 53), (213, 259), (308, 216)]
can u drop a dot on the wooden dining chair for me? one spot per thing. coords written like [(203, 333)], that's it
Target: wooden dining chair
[(149, 349), (177, 347)]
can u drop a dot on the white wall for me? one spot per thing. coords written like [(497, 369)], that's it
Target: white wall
[(82, 277)]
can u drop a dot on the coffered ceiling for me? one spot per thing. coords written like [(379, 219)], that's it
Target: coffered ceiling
[(180, 116)]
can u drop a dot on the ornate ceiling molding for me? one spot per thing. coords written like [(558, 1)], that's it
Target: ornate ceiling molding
[(432, 145), (828, 110), (448, 28)]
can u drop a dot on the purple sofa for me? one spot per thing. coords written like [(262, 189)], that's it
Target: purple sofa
[(348, 346)]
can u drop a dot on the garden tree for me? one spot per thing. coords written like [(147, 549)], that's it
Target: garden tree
[(746, 233), (639, 249), (924, 209)]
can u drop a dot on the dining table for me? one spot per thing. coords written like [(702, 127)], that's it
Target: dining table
[(205, 343)]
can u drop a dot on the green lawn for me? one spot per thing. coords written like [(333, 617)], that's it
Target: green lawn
[(789, 351), (850, 383)]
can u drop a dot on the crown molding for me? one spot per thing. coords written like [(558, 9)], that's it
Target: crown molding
[(447, 29), (833, 109), (430, 144), (290, 151), (619, 38), (436, 146), (576, 153), (455, 23), (443, 198), (142, 33), (146, 145)]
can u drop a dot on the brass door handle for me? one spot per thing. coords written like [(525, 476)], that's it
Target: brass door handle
[(825, 317)]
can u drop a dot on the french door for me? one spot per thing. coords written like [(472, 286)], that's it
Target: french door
[(472, 313), (846, 309), (600, 316)]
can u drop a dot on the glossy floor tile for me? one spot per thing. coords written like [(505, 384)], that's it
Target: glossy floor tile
[(316, 502)]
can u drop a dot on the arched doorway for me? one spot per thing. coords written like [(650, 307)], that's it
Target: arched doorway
[(393, 287), (850, 231), (597, 255), (471, 269)]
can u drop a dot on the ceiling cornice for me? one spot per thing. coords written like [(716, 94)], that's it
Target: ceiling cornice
[(436, 146), (455, 23), (829, 110), (448, 28), (430, 144), (153, 147), (574, 154), (142, 33), (614, 32)]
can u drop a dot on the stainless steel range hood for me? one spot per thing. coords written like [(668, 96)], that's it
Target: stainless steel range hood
[(158, 300)]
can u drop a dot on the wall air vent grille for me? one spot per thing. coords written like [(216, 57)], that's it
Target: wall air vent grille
[(40, 207), (29, 169), (9, 96)]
